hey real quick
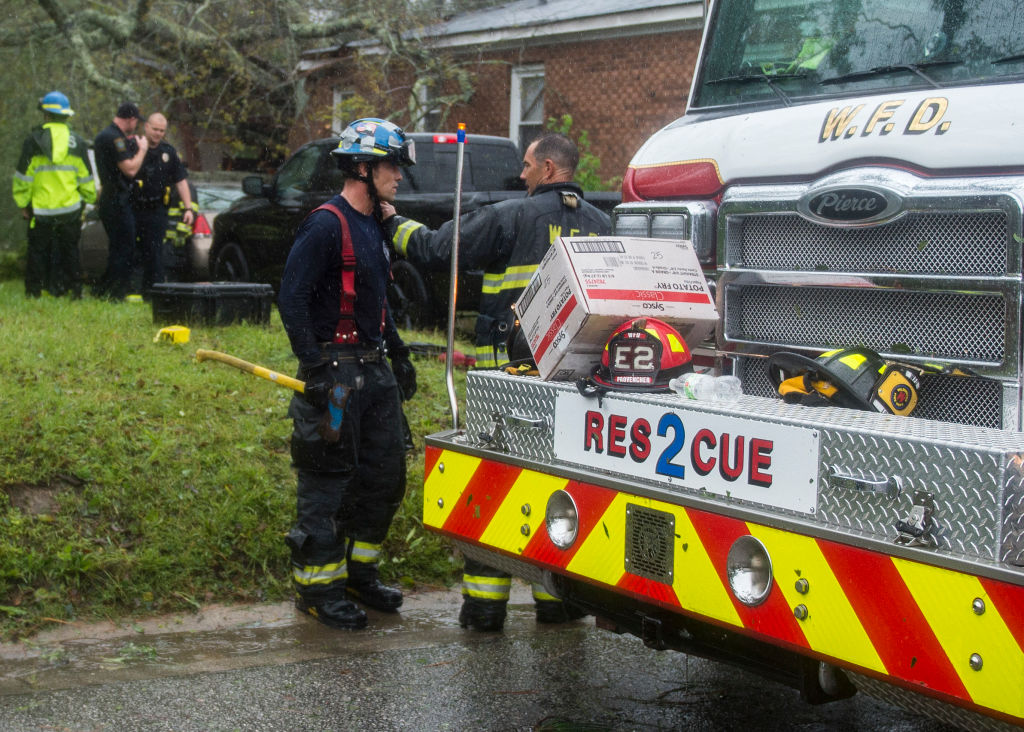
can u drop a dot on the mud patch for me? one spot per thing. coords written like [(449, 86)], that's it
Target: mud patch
[(37, 500)]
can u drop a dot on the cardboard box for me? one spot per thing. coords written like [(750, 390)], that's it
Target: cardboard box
[(585, 287), (211, 303)]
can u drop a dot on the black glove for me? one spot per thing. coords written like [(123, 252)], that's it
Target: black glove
[(405, 372), (318, 380), (327, 395)]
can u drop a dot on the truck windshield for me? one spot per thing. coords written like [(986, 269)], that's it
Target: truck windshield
[(788, 51)]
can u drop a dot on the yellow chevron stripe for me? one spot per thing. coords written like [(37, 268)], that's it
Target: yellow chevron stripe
[(446, 486), (697, 585), (532, 489), (832, 626), (946, 599), (602, 555)]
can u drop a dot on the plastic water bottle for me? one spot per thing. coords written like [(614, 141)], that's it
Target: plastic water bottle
[(707, 387)]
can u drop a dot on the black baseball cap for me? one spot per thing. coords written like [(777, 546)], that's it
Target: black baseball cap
[(128, 110)]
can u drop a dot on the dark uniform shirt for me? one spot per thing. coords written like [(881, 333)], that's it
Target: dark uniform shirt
[(112, 146), (161, 170), (507, 240), (310, 299)]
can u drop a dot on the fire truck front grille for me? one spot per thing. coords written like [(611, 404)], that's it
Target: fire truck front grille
[(944, 398), (649, 543), (943, 325), (939, 282), (971, 243)]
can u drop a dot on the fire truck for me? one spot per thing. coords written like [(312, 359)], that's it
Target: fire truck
[(850, 174)]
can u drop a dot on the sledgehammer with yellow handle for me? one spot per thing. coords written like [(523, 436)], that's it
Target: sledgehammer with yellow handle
[(332, 399), (263, 373)]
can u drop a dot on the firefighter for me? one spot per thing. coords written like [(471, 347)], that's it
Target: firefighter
[(351, 476), (161, 171), (51, 182), (507, 240), (119, 156)]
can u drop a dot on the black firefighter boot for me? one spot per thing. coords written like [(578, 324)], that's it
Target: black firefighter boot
[(333, 610), (364, 583), (550, 609), (486, 616)]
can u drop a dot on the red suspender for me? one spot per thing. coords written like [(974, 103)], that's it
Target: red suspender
[(346, 331)]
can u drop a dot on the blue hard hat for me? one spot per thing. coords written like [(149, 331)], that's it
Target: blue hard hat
[(56, 103), (369, 139)]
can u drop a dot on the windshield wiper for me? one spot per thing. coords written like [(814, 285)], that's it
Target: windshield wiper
[(768, 79), (894, 69), (1019, 56)]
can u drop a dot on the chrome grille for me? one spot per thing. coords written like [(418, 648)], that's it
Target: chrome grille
[(940, 325), (941, 282), (971, 243)]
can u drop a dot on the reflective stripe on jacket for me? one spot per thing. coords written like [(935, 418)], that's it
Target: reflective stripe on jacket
[(53, 175), (507, 240)]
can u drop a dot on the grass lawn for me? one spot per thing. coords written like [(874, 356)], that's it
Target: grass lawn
[(134, 480)]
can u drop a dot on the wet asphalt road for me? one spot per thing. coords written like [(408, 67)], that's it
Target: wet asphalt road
[(267, 669)]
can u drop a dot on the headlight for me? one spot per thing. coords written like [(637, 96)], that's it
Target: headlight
[(561, 519), (670, 226), (749, 569), (631, 225)]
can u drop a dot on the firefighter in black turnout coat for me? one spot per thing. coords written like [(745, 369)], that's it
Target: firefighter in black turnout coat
[(507, 240), (347, 443)]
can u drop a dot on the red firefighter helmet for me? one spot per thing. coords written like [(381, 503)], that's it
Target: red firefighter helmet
[(643, 354)]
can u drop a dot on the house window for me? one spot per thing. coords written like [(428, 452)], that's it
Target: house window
[(526, 116), (338, 120)]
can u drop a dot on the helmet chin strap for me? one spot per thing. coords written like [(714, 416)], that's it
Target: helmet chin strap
[(371, 189)]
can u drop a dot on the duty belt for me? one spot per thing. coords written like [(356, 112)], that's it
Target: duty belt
[(351, 354)]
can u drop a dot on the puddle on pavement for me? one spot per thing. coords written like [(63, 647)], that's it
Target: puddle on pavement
[(162, 650)]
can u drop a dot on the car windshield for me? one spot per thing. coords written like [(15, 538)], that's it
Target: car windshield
[(217, 199), (296, 174), (783, 51)]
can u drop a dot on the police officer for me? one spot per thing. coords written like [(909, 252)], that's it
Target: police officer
[(507, 240), (51, 182), (119, 155), (161, 171), (347, 442)]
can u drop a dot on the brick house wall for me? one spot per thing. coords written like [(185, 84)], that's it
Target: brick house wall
[(619, 90)]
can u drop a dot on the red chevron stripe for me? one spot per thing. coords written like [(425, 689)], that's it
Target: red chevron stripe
[(591, 503), (774, 616), (430, 457), (481, 499), (892, 619), (649, 588), (1009, 602)]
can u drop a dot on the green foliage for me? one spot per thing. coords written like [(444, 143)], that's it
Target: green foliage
[(588, 172), (227, 70), (134, 480)]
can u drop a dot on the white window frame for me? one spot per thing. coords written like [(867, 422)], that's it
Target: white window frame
[(337, 97), (515, 115)]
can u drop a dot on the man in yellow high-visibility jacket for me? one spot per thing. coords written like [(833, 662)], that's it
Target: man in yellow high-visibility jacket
[(52, 181)]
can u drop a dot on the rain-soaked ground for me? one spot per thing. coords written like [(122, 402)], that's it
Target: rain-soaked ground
[(265, 668)]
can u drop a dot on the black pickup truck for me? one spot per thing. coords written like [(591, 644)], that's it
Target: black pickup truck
[(251, 239)]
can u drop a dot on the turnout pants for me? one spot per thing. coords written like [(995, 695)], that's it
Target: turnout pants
[(348, 491)]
